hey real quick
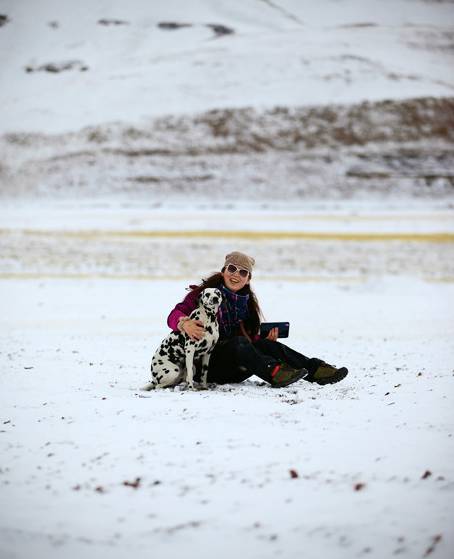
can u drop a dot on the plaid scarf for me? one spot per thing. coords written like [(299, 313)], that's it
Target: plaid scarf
[(233, 309)]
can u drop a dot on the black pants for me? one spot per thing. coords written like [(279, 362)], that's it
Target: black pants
[(237, 359)]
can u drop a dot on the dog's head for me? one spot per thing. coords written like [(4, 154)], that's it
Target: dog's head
[(211, 298)]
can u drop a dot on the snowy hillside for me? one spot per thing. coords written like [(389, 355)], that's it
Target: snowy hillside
[(252, 100), (156, 102), (66, 65)]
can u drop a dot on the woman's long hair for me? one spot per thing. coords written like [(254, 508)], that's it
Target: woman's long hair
[(252, 323)]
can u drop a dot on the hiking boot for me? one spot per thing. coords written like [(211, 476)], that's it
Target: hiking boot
[(327, 374), (283, 375)]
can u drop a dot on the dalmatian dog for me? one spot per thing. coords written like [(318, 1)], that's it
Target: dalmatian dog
[(176, 357)]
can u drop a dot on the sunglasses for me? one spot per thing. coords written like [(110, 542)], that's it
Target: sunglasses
[(231, 269)]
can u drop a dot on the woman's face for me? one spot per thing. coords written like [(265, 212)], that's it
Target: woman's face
[(234, 277)]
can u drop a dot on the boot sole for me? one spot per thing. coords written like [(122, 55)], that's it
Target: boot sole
[(340, 375), (303, 373)]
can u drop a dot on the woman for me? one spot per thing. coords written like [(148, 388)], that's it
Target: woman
[(240, 353)]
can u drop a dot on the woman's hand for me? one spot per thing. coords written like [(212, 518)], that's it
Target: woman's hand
[(194, 329), (243, 331), (272, 334)]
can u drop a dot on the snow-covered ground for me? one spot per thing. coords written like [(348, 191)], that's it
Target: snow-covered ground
[(373, 455), (85, 293), (346, 219), (71, 241)]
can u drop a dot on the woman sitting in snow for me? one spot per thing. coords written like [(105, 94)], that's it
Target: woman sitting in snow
[(240, 352)]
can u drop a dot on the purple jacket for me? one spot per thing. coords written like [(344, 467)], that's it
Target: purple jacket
[(184, 308)]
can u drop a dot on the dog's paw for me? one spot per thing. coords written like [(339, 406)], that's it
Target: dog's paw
[(149, 386), (198, 387)]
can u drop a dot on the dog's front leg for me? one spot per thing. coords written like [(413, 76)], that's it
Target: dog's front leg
[(190, 349), (205, 363)]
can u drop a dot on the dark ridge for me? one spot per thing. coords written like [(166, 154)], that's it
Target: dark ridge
[(57, 67), (220, 30), (107, 21), (286, 128), (172, 25), (358, 25), (145, 179), (139, 152)]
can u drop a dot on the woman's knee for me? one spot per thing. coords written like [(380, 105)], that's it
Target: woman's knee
[(264, 343), (240, 344), (234, 349), (240, 341)]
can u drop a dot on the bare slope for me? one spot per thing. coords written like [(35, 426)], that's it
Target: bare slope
[(382, 149)]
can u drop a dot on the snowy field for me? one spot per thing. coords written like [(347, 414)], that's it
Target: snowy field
[(212, 471), (362, 468), (67, 241), (140, 142)]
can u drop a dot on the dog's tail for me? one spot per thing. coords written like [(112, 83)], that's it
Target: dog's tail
[(151, 385)]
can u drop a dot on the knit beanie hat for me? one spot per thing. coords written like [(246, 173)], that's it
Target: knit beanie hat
[(240, 260)]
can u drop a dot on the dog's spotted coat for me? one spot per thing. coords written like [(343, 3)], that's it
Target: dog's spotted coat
[(176, 357)]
